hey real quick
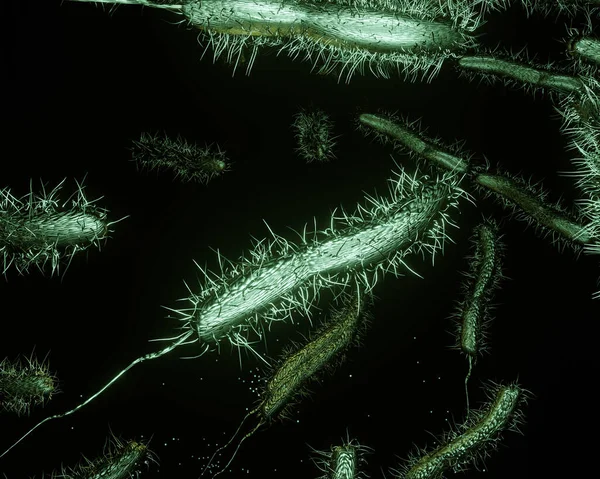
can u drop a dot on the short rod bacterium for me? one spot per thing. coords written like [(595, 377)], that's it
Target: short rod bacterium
[(289, 378), (37, 229)]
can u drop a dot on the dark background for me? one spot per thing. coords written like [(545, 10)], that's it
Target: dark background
[(84, 82)]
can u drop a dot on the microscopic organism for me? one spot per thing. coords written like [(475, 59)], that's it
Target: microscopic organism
[(188, 162), (387, 127), (280, 278), (24, 384), (289, 378), (472, 441), (473, 313), (314, 136), (342, 461), (37, 230), (412, 37), (529, 203), (585, 48), (553, 7), (120, 460)]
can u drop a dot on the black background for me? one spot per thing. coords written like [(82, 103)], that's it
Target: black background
[(84, 82)]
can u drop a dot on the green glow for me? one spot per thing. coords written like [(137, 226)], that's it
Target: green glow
[(188, 162), (412, 37), (24, 384), (314, 136), (522, 73), (417, 145), (302, 366), (283, 277), (119, 461), (535, 206), (37, 230), (474, 439)]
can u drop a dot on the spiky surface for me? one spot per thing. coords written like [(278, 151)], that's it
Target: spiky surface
[(564, 7), (472, 441), (38, 230), (24, 384), (530, 203), (188, 162), (410, 136), (120, 460), (293, 372), (342, 461), (517, 70), (581, 124), (278, 278), (168, 4), (413, 38), (585, 48), (313, 131), (472, 315)]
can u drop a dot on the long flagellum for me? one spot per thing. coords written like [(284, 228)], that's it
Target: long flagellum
[(282, 278), (147, 357)]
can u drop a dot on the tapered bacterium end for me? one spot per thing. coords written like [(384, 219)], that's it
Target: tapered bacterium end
[(472, 441), (530, 203), (188, 162), (344, 37), (277, 278), (519, 71), (407, 135), (38, 230)]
